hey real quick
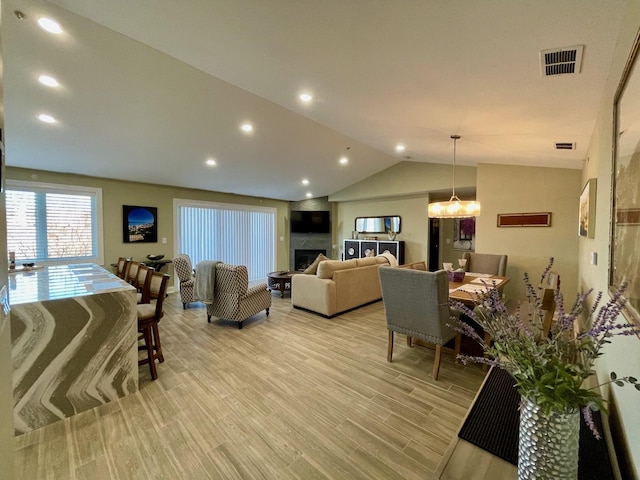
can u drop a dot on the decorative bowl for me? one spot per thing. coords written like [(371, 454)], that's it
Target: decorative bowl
[(455, 276), (155, 258)]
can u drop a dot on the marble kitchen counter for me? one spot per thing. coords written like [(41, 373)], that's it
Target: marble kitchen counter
[(61, 281), (74, 341)]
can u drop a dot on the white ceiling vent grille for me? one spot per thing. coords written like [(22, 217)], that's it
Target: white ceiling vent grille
[(561, 61), (565, 146)]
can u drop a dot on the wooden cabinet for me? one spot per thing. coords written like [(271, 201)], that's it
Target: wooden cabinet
[(364, 248)]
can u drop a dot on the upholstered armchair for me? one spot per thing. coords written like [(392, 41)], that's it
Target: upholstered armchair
[(416, 304), (486, 263), (232, 297), (184, 271)]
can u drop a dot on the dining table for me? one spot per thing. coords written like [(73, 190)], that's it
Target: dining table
[(467, 290)]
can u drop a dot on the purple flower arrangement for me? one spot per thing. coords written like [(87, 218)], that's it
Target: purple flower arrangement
[(549, 369)]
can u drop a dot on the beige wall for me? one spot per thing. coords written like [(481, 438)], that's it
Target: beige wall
[(413, 214), (408, 178), (117, 193), (404, 190), (623, 354), (511, 189)]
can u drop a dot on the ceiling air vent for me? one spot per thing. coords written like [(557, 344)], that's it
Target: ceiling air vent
[(561, 61), (565, 146)]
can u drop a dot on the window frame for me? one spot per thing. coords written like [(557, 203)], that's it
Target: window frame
[(182, 202), (58, 188)]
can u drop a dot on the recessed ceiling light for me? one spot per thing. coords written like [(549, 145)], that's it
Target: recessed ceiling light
[(344, 160), (246, 127), (211, 162), (309, 194), (305, 97), (49, 25), (46, 118), (400, 148), (305, 181), (48, 80)]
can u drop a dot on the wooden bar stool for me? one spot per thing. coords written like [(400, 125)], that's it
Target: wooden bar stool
[(132, 272), (149, 314), (121, 266), (141, 278)]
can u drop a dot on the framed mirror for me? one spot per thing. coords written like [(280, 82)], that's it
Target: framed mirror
[(381, 224), (625, 226)]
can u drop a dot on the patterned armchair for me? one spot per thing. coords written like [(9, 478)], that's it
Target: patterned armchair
[(232, 299), (184, 271)]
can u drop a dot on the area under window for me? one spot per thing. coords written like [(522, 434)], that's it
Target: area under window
[(48, 223), (234, 234)]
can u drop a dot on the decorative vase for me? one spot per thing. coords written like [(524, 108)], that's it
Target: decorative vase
[(548, 447)]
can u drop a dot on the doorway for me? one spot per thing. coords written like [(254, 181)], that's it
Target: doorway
[(434, 244)]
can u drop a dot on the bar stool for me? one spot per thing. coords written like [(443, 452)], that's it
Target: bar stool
[(141, 277), (121, 266), (132, 272), (149, 314)]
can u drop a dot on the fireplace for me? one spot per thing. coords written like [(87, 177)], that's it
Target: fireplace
[(304, 258)]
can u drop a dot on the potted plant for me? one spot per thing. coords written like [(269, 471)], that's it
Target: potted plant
[(549, 371)]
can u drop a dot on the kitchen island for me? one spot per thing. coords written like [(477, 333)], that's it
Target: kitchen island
[(74, 341)]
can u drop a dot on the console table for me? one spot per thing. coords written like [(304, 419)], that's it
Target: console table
[(361, 248), (491, 432)]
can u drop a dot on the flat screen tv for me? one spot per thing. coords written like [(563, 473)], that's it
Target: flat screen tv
[(310, 222)]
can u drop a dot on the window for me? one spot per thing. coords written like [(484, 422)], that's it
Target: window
[(235, 234), (49, 223)]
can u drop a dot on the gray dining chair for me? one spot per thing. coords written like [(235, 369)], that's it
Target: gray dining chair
[(486, 263), (416, 304)]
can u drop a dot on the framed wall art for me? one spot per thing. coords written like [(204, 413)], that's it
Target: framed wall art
[(537, 219), (587, 210), (464, 233), (624, 265), (139, 224)]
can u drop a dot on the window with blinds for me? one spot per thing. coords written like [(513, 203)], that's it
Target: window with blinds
[(234, 234), (54, 223)]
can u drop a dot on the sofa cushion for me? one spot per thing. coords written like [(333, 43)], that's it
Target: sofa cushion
[(313, 268), (327, 267)]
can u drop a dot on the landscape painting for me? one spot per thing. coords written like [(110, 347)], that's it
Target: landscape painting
[(140, 224)]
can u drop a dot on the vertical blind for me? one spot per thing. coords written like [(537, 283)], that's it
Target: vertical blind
[(234, 234), (49, 223)]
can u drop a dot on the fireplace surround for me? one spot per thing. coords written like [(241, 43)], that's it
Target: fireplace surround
[(305, 257)]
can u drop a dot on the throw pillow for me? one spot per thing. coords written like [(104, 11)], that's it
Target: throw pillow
[(313, 268)]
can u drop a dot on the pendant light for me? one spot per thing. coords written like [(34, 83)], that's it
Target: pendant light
[(454, 208)]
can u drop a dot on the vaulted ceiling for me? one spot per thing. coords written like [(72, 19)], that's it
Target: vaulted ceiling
[(149, 90)]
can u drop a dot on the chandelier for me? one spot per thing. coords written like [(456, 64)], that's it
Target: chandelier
[(454, 208)]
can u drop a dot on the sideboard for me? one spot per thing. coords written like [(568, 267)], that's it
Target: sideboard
[(364, 248)]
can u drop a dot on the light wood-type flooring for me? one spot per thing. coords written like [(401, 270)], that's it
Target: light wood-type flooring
[(290, 396)]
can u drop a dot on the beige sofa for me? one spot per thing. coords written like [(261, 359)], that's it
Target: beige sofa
[(338, 286)]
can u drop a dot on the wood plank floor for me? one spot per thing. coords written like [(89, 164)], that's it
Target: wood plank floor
[(290, 396)]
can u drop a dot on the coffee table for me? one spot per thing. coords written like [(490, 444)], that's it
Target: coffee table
[(280, 281)]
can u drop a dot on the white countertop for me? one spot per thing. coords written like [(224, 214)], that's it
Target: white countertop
[(62, 281)]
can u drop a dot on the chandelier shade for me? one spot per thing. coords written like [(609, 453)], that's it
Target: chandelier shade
[(454, 208)]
